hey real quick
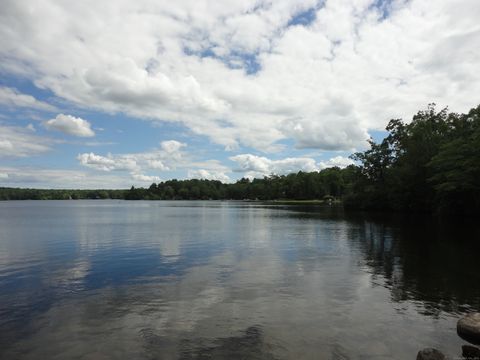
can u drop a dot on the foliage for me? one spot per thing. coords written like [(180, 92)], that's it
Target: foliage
[(53, 194), (431, 164), (334, 182)]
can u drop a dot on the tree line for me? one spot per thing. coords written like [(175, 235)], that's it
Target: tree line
[(431, 164), (328, 183), (7, 193)]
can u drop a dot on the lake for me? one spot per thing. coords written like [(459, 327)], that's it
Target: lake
[(228, 280)]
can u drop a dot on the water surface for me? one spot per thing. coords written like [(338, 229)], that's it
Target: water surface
[(228, 280)]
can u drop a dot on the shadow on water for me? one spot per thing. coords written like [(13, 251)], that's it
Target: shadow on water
[(423, 259), (429, 260)]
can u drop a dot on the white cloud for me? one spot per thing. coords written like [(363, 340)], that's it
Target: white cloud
[(107, 163), (96, 161), (145, 178), (11, 97), (157, 164), (70, 125), (258, 166), (21, 142), (209, 175), (171, 146), (337, 161), (309, 133), (322, 85), (167, 157), (170, 156)]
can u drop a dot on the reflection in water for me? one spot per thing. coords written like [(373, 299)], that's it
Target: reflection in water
[(433, 264), (226, 280), (249, 345)]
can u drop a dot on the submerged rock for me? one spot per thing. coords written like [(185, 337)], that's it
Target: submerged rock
[(468, 328), (471, 352), (430, 354)]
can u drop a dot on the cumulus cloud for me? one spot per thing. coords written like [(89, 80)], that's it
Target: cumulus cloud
[(145, 178), (12, 98), (157, 164), (309, 133), (70, 125), (168, 156), (209, 175), (337, 161), (245, 72), (107, 163), (21, 142), (171, 146), (258, 166)]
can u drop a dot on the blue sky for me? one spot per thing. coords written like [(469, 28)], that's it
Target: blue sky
[(117, 94)]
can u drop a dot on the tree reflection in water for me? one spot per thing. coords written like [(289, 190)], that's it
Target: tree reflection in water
[(430, 262)]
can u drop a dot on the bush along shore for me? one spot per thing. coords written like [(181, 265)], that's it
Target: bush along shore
[(429, 165)]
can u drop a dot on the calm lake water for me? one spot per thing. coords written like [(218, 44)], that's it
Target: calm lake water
[(228, 280)]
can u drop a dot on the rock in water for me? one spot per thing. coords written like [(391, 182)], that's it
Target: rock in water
[(471, 352), (468, 328), (430, 354)]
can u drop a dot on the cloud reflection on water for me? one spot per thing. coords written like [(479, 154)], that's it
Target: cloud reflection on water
[(146, 280)]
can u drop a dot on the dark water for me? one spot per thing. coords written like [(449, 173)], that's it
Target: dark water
[(226, 280)]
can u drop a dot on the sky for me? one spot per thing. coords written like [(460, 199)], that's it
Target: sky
[(115, 93)]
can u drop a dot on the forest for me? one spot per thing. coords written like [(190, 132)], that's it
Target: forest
[(431, 164)]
